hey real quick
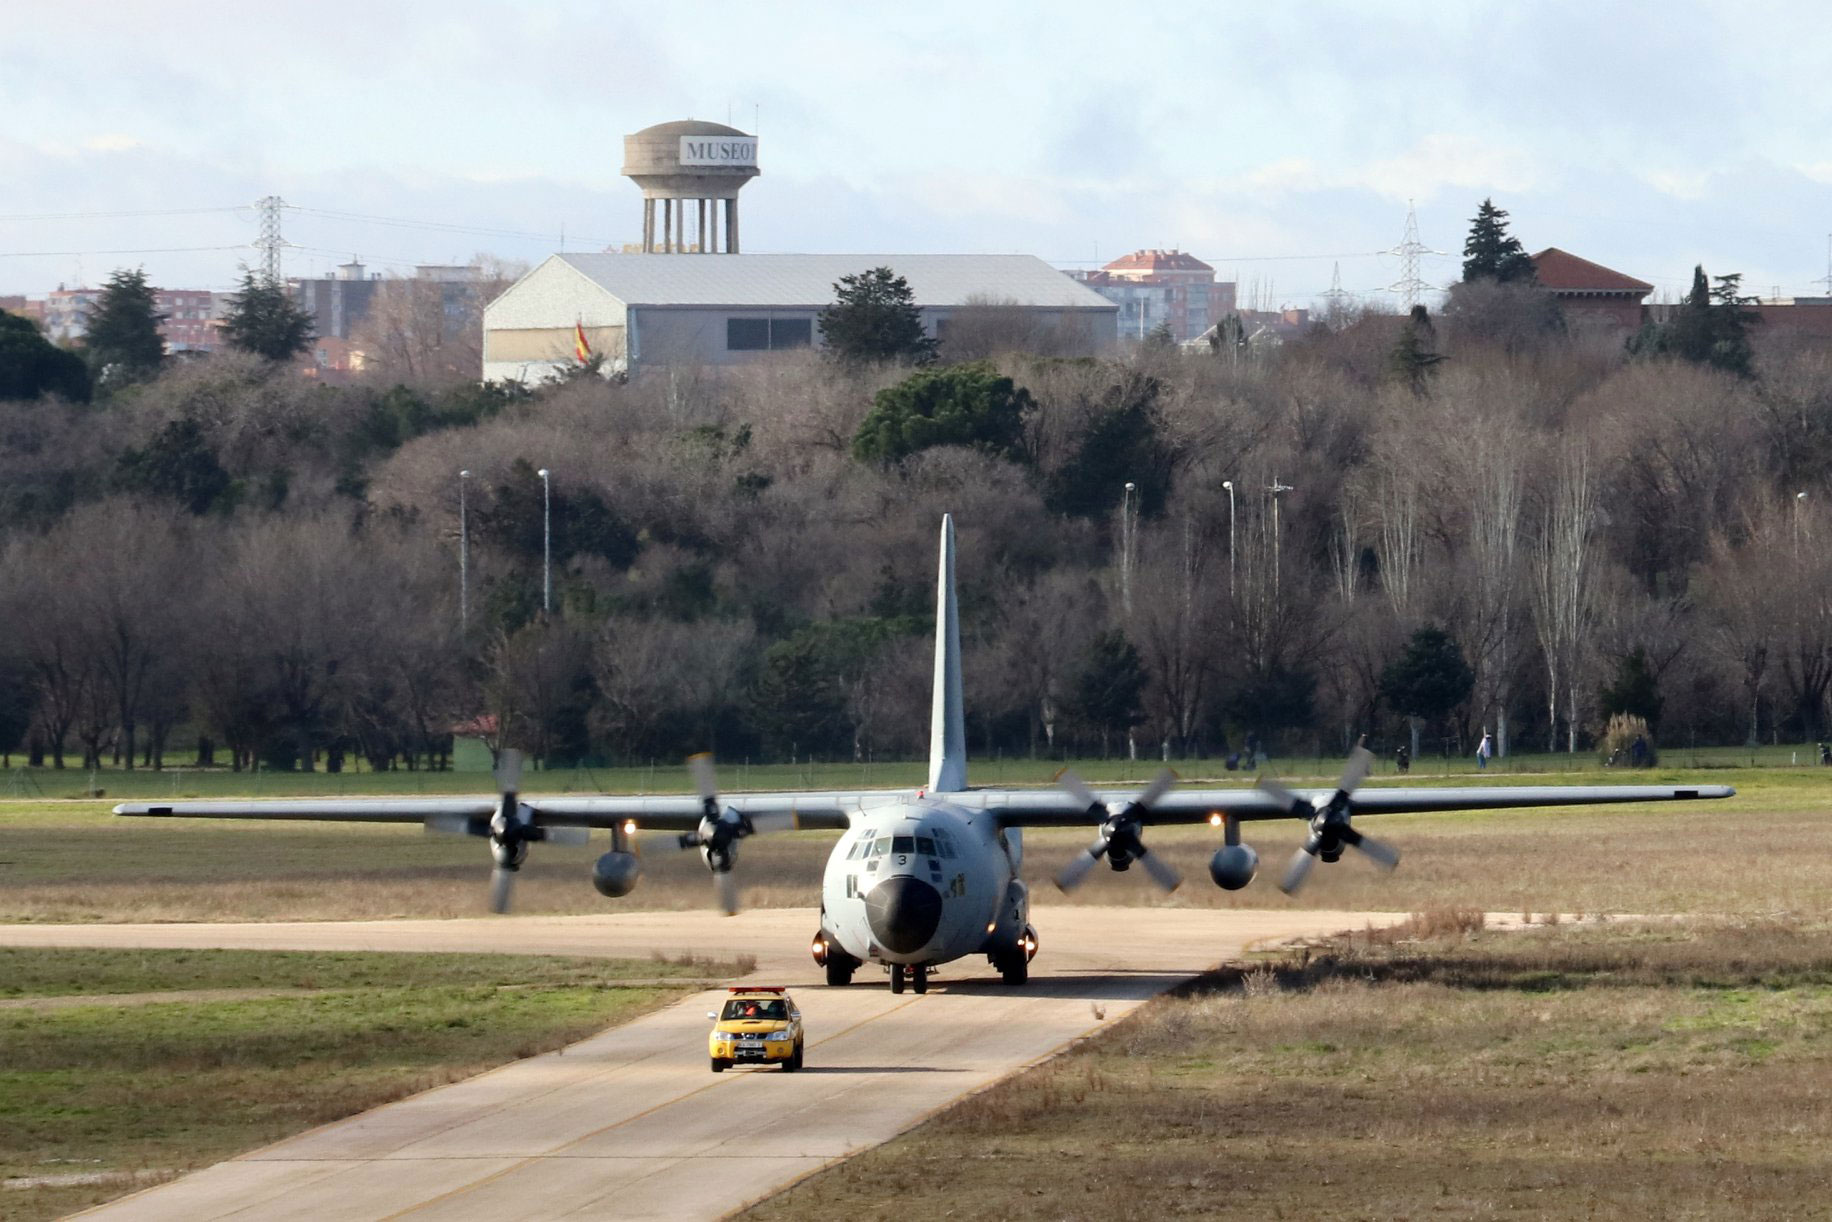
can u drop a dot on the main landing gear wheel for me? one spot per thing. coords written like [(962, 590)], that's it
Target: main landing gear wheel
[(896, 977), (919, 979), (840, 967)]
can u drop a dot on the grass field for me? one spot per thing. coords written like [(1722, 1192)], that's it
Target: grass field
[(114, 1095), (473, 775), (1760, 852), (1654, 1071)]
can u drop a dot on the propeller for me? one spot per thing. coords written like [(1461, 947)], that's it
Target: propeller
[(511, 830), (720, 830), (1330, 828), (1120, 839)]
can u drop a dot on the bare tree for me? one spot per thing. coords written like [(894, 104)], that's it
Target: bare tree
[(1562, 571)]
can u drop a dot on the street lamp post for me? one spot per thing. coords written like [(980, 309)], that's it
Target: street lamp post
[(546, 541), (1275, 489), (464, 556), (1229, 485)]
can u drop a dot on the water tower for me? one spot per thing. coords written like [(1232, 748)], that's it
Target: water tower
[(689, 162)]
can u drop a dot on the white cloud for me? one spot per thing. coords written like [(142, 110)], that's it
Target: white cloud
[(1436, 162), (111, 142)]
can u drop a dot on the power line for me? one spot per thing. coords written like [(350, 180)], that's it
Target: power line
[(85, 216), (442, 226), (150, 250)]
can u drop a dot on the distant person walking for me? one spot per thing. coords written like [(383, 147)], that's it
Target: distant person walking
[(1402, 756), (1485, 750)]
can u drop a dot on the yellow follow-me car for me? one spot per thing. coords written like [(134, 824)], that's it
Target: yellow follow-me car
[(758, 1026)]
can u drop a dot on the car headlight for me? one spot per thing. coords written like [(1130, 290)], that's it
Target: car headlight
[(778, 1036)]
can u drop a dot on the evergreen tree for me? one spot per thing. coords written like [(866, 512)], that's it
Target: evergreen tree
[(177, 463), (1229, 338), (1108, 694), (1161, 337), (265, 321), (1491, 253), (123, 333), (965, 405), (1710, 327), (31, 365), (874, 318), (798, 705), (1123, 443), (1412, 358), (1635, 690), (1428, 680)]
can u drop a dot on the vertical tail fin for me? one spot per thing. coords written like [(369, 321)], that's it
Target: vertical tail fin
[(947, 725)]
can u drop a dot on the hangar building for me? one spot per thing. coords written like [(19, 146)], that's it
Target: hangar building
[(652, 310)]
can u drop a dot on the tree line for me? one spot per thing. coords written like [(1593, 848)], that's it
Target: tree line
[(1537, 528)]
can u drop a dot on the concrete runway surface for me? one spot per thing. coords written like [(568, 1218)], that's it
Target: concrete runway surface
[(631, 1123)]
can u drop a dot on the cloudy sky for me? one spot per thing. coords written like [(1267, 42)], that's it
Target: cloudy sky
[(1273, 140)]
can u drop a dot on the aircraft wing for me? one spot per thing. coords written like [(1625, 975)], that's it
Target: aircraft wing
[(832, 810), (1056, 808)]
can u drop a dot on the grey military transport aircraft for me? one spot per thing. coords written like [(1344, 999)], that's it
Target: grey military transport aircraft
[(922, 877)]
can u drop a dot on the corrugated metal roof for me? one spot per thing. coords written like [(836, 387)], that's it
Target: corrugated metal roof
[(808, 280)]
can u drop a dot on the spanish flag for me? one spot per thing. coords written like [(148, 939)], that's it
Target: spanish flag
[(582, 351)]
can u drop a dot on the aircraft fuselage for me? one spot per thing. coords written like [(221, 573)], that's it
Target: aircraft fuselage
[(921, 881)]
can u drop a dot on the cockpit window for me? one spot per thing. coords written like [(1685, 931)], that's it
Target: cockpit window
[(944, 843), (903, 844), (880, 846), (925, 845)]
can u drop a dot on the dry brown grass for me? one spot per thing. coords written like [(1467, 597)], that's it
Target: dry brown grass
[(1635, 1070)]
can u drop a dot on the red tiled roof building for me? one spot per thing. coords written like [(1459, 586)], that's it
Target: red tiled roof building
[(1173, 286), (1590, 293)]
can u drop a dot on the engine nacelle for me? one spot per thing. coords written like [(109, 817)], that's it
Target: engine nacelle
[(615, 874), (1233, 866)]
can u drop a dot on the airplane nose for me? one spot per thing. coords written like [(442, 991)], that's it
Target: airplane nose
[(904, 913)]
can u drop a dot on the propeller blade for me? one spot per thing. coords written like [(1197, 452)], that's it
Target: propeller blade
[(1295, 802), (1379, 852), (1161, 871), (1078, 789), (1071, 875), (1297, 871), (457, 825), (775, 821), (705, 783), (566, 835), (1360, 763), (502, 885), (1160, 785), (509, 770), (728, 891)]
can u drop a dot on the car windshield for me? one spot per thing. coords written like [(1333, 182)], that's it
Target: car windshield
[(739, 1009)]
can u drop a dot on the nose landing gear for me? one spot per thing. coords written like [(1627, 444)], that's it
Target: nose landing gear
[(917, 977)]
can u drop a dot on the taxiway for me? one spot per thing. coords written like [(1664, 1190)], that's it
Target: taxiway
[(630, 1123)]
